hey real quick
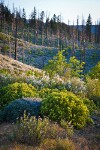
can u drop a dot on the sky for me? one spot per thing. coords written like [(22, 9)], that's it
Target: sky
[(68, 9)]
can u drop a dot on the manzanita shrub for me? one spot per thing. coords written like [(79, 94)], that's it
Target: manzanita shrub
[(65, 105), (15, 91)]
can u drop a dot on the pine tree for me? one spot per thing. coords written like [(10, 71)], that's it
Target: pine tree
[(24, 16), (88, 27)]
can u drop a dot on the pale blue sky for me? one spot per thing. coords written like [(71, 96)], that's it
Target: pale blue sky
[(69, 9)]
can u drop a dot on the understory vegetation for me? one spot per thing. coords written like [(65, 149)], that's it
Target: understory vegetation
[(46, 106)]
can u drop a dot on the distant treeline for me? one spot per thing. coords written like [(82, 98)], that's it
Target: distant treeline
[(40, 29)]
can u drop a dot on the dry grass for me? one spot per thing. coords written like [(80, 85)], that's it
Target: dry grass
[(84, 139), (12, 65)]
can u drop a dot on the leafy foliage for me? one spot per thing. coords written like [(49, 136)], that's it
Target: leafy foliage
[(5, 48), (15, 91), (57, 65), (16, 109), (93, 90), (90, 105), (44, 92), (65, 105), (76, 66), (95, 72)]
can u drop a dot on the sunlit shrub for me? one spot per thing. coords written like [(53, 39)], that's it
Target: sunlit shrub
[(93, 90), (44, 92), (65, 105), (15, 91), (90, 105)]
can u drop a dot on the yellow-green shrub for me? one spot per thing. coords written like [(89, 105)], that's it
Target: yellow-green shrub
[(15, 91), (93, 90), (46, 91), (65, 105)]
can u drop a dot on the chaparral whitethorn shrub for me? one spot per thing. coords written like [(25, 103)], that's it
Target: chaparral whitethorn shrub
[(77, 86)]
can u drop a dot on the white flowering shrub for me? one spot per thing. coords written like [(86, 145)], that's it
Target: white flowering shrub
[(77, 86)]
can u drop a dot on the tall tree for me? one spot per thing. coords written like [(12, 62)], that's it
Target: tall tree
[(46, 29), (98, 31), (83, 44), (42, 14), (24, 16), (16, 30), (78, 38), (33, 23), (88, 27)]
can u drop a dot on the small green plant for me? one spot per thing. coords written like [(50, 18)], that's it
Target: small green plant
[(67, 126), (90, 105), (44, 92), (29, 73), (57, 66), (4, 71), (76, 66), (15, 91), (69, 47), (5, 48)]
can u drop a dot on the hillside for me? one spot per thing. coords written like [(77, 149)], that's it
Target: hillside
[(84, 139), (27, 52), (38, 56), (49, 79), (15, 67)]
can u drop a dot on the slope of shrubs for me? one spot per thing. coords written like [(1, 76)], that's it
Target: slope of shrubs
[(56, 104), (15, 91)]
